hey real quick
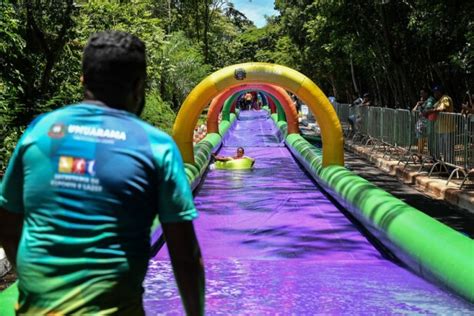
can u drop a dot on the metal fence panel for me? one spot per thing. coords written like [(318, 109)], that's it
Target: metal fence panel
[(450, 139), (403, 129), (363, 121), (447, 139), (388, 127), (469, 131)]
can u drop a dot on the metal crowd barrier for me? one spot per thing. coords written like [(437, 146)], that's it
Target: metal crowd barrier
[(452, 144), (343, 112), (448, 142)]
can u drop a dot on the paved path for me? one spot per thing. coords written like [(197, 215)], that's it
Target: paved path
[(446, 213)]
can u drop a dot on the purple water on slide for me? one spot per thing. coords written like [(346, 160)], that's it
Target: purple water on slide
[(274, 244)]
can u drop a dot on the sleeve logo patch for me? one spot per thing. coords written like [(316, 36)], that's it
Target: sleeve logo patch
[(57, 130)]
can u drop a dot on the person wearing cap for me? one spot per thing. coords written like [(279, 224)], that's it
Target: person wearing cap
[(444, 126)]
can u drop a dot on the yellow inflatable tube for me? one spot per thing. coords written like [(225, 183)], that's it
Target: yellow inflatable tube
[(287, 78), (235, 164)]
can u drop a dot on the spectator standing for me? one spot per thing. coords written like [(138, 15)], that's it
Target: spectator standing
[(355, 119), (444, 125), (352, 119), (259, 101), (248, 98), (423, 126), (296, 102), (467, 106), (366, 100), (468, 110), (86, 182)]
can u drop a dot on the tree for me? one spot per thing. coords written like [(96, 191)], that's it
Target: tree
[(389, 48), (36, 34)]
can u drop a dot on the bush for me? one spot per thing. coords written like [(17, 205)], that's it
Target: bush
[(9, 138), (158, 113)]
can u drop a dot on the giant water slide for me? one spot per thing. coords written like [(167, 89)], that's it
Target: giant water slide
[(274, 243), (299, 233)]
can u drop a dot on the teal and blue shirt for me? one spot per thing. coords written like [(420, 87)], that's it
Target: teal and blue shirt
[(90, 180)]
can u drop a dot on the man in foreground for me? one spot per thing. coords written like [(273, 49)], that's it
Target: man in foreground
[(87, 181)]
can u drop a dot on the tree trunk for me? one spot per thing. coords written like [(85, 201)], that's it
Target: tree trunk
[(207, 22), (353, 77)]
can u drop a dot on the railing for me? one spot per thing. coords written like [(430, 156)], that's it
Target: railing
[(445, 145)]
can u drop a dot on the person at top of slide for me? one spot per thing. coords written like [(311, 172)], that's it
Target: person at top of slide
[(248, 97), (238, 155), (82, 189)]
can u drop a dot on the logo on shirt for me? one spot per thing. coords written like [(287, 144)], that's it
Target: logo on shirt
[(57, 130), (79, 166), (75, 165), (98, 132)]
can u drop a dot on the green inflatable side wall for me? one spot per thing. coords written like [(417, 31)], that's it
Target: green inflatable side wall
[(428, 247)]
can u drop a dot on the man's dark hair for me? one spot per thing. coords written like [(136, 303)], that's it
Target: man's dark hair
[(112, 64), (243, 151)]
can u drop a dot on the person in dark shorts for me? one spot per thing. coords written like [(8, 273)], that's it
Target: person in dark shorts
[(86, 182)]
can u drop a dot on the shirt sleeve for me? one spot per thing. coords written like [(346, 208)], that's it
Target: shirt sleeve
[(429, 104), (11, 186), (11, 191), (175, 199)]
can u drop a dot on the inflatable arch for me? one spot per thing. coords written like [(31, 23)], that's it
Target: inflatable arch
[(284, 77), (275, 104), (279, 93), (230, 104), (271, 105)]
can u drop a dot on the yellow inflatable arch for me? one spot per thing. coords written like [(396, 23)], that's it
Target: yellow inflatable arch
[(287, 78)]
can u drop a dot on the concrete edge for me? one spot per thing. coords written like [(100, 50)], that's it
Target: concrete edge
[(435, 188)]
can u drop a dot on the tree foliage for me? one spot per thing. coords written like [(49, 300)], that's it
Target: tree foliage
[(386, 47), (394, 47), (41, 43)]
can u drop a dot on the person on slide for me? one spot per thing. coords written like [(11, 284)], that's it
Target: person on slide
[(238, 155), (82, 189)]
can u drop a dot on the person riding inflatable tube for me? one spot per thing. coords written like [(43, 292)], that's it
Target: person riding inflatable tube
[(235, 164)]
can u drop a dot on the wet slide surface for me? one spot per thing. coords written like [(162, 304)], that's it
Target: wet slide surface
[(274, 244)]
